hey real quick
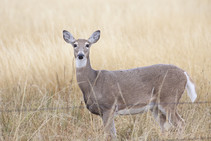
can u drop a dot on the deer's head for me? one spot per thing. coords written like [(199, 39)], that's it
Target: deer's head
[(81, 46)]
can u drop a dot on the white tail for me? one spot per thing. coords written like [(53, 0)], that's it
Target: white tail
[(190, 88)]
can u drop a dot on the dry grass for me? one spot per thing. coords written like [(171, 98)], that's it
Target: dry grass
[(37, 68)]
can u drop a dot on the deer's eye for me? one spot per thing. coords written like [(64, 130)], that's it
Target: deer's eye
[(74, 45), (87, 45)]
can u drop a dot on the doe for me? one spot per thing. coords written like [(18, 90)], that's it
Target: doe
[(157, 88)]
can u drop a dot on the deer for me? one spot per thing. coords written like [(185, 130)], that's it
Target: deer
[(156, 88)]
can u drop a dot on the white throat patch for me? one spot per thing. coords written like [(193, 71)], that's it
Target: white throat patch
[(80, 63)]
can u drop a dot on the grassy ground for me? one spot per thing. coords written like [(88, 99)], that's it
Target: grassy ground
[(37, 67)]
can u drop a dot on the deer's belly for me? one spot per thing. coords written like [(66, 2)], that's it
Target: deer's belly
[(135, 110)]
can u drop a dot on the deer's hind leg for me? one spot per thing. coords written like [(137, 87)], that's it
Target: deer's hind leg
[(169, 95), (172, 116), (159, 117), (180, 121)]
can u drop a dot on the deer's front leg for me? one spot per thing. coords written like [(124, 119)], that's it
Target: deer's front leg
[(108, 121)]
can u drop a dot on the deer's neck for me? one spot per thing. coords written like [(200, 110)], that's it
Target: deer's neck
[(85, 76)]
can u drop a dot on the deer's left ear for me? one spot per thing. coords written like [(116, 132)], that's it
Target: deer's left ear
[(94, 37)]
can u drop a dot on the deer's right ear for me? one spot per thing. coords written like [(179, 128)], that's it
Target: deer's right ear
[(68, 37)]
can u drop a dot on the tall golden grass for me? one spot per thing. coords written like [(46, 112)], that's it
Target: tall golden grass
[(37, 67)]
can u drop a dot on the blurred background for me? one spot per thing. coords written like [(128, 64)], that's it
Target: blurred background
[(37, 69)]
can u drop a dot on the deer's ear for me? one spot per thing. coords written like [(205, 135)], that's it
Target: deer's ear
[(94, 37), (68, 37)]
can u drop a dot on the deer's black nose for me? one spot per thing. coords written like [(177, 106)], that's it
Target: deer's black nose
[(80, 56)]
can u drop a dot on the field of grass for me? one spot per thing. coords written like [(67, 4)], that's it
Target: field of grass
[(37, 70)]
